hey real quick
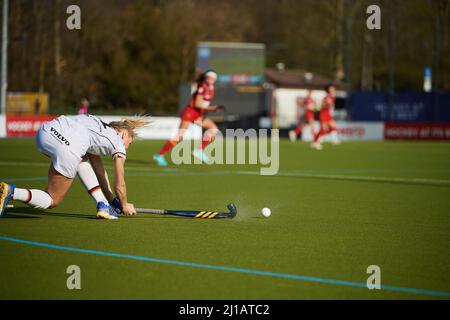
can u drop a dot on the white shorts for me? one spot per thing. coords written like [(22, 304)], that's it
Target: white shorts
[(54, 145)]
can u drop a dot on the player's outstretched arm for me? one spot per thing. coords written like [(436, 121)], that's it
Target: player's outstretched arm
[(214, 108), (120, 187), (102, 176)]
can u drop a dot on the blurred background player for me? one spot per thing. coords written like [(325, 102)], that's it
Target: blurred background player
[(70, 141), (327, 122), (306, 109), (199, 103), (84, 107)]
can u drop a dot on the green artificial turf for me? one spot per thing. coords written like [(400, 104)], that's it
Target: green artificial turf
[(334, 213)]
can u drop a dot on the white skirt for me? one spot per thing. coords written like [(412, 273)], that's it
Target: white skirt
[(60, 147)]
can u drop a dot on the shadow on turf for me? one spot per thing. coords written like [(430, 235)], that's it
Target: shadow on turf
[(12, 214), (30, 213)]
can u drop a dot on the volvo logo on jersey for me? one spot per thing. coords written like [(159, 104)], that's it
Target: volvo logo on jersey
[(59, 136)]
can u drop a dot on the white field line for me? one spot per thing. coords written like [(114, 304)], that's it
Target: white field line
[(148, 171), (307, 175), (365, 178)]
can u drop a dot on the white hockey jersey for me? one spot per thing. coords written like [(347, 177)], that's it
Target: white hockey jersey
[(86, 134)]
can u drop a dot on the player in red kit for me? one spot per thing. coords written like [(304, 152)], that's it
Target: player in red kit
[(307, 107), (327, 122), (199, 103)]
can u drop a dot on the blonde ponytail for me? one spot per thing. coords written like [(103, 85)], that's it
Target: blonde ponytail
[(131, 124)]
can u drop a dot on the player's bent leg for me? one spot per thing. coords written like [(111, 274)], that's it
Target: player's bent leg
[(323, 129), (312, 127), (89, 179), (208, 137), (58, 185), (211, 127), (37, 198), (170, 144), (293, 134), (34, 198), (334, 136), (210, 133)]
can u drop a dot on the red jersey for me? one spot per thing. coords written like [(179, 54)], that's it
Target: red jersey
[(193, 113), (204, 90), (326, 112), (328, 102), (309, 103), (305, 108)]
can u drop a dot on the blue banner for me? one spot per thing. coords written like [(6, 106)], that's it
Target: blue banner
[(406, 107)]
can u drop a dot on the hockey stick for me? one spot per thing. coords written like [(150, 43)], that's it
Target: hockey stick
[(189, 214), (194, 214)]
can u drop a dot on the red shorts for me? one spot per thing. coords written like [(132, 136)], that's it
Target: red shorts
[(191, 114), (325, 115), (309, 115)]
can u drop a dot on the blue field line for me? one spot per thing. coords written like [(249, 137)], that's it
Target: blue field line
[(231, 269)]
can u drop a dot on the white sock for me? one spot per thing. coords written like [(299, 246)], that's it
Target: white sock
[(90, 182), (23, 195), (34, 198)]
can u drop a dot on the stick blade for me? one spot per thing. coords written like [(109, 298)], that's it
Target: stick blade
[(227, 215), (233, 210)]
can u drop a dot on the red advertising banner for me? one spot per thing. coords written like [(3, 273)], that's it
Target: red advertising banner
[(25, 126), (351, 131), (416, 131)]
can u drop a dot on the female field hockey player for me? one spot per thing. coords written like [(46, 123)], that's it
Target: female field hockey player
[(199, 103), (307, 105), (327, 122), (70, 142)]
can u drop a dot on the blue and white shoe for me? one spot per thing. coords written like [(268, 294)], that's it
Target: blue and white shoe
[(160, 160), (199, 154), (6, 194), (105, 211)]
